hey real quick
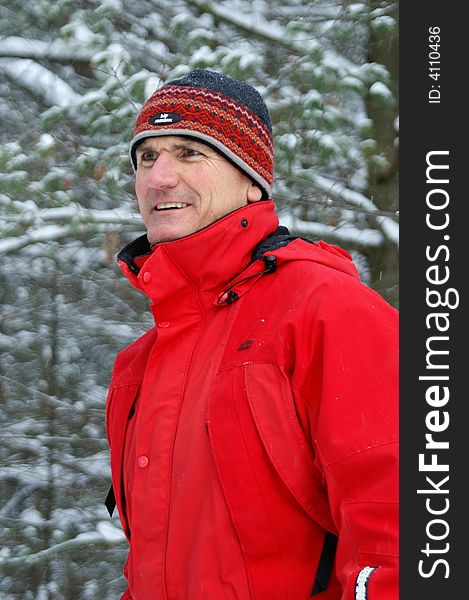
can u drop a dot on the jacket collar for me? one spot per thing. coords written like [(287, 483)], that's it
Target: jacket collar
[(202, 263)]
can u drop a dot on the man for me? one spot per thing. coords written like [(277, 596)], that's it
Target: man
[(253, 430)]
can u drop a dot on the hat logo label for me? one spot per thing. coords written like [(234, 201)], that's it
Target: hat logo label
[(164, 118)]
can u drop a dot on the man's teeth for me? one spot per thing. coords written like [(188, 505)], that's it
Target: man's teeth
[(167, 205)]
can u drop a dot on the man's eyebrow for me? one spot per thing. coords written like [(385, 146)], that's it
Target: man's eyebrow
[(144, 148), (189, 143)]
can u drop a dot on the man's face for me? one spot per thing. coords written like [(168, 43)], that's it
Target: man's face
[(183, 185)]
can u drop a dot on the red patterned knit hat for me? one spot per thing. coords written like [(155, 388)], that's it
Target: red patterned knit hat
[(225, 113)]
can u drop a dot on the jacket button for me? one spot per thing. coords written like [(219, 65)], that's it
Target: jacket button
[(146, 277), (142, 461), (163, 324)]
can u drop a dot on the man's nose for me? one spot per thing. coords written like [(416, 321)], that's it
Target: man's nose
[(163, 173)]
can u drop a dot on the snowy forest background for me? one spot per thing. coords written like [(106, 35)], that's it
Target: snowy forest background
[(73, 74)]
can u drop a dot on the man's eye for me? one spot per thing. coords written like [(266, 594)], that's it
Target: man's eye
[(147, 155), (189, 152)]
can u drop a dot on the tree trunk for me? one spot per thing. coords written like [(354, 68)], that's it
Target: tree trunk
[(383, 182)]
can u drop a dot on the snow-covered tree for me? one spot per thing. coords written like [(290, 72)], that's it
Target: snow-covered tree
[(73, 76), (72, 88)]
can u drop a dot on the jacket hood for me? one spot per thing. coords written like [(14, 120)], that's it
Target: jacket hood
[(319, 252)]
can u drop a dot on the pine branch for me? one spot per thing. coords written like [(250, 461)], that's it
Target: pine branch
[(348, 235), (68, 223), (12, 504), (93, 539), (55, 51), (72, 213), (255, 25), (41, 82), (338, 191)]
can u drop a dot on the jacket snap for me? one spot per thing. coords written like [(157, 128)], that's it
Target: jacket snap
[(142, 461)]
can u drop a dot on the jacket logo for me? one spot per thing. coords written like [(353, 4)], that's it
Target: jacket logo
[(246, 345), (164, 118)]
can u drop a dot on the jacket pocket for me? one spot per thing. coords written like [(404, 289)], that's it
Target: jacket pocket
[(271, 401)]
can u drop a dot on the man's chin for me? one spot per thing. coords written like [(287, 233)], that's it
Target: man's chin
[(168, 234)]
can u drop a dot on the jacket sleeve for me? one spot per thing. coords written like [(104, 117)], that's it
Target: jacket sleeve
[(355, 435)]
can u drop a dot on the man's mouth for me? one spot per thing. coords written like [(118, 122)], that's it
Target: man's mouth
[(171, 205)]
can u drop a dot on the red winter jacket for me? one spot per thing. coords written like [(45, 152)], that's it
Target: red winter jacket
[(259, 414)]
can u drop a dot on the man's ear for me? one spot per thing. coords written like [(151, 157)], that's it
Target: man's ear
[(254, 193)]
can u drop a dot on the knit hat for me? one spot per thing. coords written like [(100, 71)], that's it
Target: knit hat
[(225, 113)]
